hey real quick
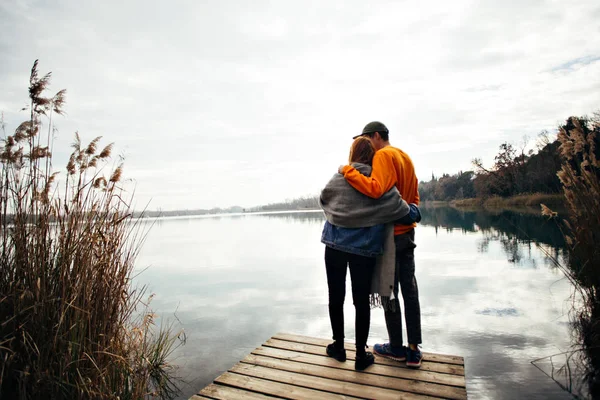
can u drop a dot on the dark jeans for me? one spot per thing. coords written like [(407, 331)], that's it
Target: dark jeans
[(405, 273), (361, 274)]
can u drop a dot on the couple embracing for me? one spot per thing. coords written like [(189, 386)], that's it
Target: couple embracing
[(371, 207)]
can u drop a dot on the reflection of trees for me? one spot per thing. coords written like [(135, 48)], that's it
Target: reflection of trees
[(297, 216), (517, 232), (309, 217), (448, 218), (517, 251)]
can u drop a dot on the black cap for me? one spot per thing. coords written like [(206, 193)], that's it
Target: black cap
[(372, 127)]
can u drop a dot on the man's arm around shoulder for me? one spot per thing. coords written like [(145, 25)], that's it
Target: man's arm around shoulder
[(382, 179)]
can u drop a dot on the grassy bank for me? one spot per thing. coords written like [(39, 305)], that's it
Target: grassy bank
[(526, 200)]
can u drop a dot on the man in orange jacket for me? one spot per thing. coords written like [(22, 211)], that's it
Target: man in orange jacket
[(392, 166)]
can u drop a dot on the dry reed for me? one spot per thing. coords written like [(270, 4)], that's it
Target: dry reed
[(72, 326), (580, 177)]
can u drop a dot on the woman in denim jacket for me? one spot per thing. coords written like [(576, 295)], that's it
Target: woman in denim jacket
[(354, 235)]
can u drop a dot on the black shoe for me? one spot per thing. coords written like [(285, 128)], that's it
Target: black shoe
[(362, 362), (338, 354)]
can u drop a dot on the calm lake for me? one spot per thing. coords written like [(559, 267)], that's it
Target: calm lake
[(488, 289)]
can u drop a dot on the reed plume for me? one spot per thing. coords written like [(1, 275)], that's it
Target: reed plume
[(72, 325), (580, 178)]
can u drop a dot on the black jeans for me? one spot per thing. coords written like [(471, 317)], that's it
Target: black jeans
[(361, 274), (405, 273)]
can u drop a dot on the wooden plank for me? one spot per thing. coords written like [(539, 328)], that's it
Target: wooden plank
[(407, 373), (222, 392), (364, 378), (197, 397), (324, 384), (268, 387), (376, 369), (327, 361), (431, 357)]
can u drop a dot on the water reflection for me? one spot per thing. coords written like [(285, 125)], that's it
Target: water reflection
[(486, 292), (308, 217), (517, 232), (526, 226)]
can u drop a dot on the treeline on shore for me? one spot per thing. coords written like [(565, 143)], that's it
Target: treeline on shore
[(301, 203), (177, 213), (517, 177)]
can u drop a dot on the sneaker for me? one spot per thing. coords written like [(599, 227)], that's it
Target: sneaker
[(362, 362), (334, 352), (386, 350), (413, 358)]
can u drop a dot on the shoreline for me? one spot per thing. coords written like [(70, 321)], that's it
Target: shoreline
[(496, 202)]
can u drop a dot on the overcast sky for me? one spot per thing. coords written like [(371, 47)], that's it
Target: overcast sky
[(221, 103)]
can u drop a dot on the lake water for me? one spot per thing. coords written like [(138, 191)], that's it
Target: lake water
[(488, 291)]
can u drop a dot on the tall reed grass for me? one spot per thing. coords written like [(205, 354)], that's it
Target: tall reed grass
[(580, 177), (72, 325)]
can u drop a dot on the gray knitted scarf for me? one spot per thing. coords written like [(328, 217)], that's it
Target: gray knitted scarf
[(346, 207)]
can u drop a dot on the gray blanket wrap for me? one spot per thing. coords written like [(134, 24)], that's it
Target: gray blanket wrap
[(347, 207)]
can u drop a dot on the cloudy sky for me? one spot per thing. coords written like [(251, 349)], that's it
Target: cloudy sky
[(221, 103)]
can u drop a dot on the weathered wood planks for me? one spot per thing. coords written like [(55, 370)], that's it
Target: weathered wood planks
[(296, 367)]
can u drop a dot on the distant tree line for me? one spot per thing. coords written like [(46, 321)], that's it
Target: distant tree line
[(515, 172), (177, 213), (301, 203)]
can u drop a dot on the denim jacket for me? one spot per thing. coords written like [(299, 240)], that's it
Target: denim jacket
[(366, 242)]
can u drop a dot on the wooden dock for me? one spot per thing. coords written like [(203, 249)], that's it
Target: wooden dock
[(296, 367)]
